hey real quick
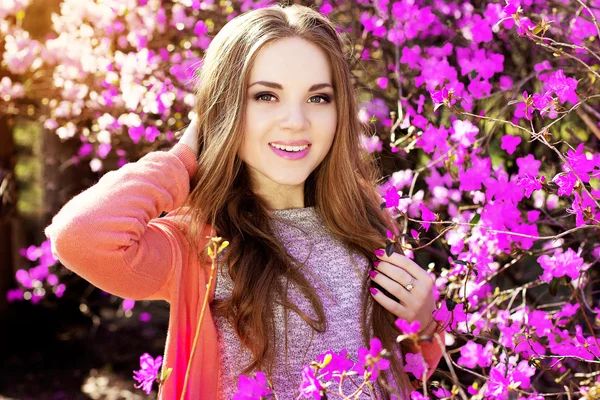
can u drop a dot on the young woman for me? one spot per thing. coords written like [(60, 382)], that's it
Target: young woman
[(273, 164)]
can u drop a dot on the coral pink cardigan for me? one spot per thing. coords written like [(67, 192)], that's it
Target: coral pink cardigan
[(112, 236)]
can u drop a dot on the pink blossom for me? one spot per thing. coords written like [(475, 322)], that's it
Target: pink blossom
[(561, 264), (392, 198), (253, 388), (408, 328), (510, 143), (382, 82), (371, 144), (416, 395), (338, 364), (426, 215), (563, 87), (529, 184), (371, 354), (411, 56), (415, 364), (566, 182), (567, 310), (472, 178), (148, 372), (579, 162), (528, 165), (525, 26), (433, 138), (481, 31), (473, 354), (505, 82)]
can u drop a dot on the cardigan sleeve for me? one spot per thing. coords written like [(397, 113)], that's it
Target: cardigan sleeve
[(431, 351), (111, 234)]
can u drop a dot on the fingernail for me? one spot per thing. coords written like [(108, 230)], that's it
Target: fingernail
[(372, 273), (373, 291), (376, 263), (379, 252)]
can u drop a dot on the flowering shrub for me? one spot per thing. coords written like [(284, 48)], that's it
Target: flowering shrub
[(490, 109)]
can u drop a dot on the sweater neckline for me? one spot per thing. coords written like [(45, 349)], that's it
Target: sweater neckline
[(291, 212)]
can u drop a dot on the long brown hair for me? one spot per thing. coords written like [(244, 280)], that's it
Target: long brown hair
[(342, 188)]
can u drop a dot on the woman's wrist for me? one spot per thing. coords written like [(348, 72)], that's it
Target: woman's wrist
[(430, 328)]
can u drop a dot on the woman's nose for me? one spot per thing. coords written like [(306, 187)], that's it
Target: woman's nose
[(294, 117)]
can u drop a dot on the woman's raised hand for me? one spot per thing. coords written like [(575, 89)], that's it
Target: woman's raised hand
[(190, 136), (406, 280)]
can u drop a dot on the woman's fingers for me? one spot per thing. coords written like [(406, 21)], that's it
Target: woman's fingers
[(395, 273), (399, 310), (393, 286), (408, 265)]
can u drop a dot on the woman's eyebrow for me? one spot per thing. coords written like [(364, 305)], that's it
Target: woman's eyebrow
[(275, 85)]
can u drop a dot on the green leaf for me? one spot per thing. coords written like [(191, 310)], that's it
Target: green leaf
[(450, 305), (389, 249), (461, 262), (553, 286), (475, 219)]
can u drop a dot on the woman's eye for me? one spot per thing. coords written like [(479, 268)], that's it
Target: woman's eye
[(262, 95), (266, 96), (326, 99)]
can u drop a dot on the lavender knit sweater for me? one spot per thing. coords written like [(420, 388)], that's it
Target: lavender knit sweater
[(337, 280)]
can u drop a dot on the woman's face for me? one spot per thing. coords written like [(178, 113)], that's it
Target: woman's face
[(290, 102)]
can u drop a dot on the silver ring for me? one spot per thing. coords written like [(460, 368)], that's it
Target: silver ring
[(410, 286)]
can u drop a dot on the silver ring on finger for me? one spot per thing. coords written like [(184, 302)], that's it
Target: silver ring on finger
[(411, 285)]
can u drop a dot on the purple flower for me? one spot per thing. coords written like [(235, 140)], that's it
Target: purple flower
[(441, 97), (373, 357), (524, 26), (464, 132), (543, 102), (563, 87), (372, 143), (512, 7), (411, 56), (148, 372), (415, 364), (408, 328), (252, 388), (560, 264), (529, 183), (529, 165), (510, 143), (433, 138), (566, 182), (416, 395), (426, 215), (580, 163), (568, 310), (578, 207), (310, 386), (441, 392), (339, 363), (136, 133), (480, 172), (473, 354), (392, 198)]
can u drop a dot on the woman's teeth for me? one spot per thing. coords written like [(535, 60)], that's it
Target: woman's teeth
[(289, 148)]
